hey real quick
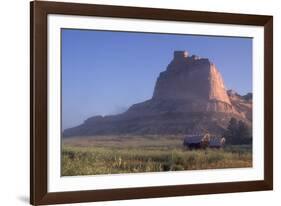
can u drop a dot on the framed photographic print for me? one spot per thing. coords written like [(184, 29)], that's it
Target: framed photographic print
[(131, 102)]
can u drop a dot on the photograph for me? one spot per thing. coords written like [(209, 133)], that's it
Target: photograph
[(132, 102), (135, 102)]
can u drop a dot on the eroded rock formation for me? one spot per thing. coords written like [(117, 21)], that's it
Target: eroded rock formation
[(189, 96)]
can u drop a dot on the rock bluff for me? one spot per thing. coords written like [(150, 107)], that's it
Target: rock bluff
[(189, 97)]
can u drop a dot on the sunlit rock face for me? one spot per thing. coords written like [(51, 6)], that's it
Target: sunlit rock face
[(242, 103), (189, 97), (195, 80)]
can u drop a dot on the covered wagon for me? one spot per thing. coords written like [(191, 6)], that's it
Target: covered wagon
[(196, 141), (217, 142), (203, 141)]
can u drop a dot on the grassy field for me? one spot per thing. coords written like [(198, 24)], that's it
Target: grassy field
[(130, 154)]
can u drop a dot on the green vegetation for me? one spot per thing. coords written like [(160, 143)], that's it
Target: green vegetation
[(238, 133), (130, 154)]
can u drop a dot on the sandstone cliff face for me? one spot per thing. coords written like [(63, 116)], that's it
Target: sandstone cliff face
[(189, 96), (190, 78), (195, 80), (242, 104), (217, 89)]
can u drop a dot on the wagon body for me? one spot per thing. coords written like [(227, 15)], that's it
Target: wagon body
[(203, 141), (196, 141)]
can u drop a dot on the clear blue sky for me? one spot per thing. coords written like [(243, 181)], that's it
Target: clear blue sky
[(105, 72)]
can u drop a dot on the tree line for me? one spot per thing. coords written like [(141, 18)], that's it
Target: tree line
[(238, 132)]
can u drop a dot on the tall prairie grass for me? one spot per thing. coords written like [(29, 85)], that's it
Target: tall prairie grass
[(129, 155)]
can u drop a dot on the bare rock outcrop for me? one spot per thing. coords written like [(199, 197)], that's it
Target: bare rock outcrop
[(195, 80), (242, 104)]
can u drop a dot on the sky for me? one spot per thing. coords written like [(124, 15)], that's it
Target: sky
[(105, 72)]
